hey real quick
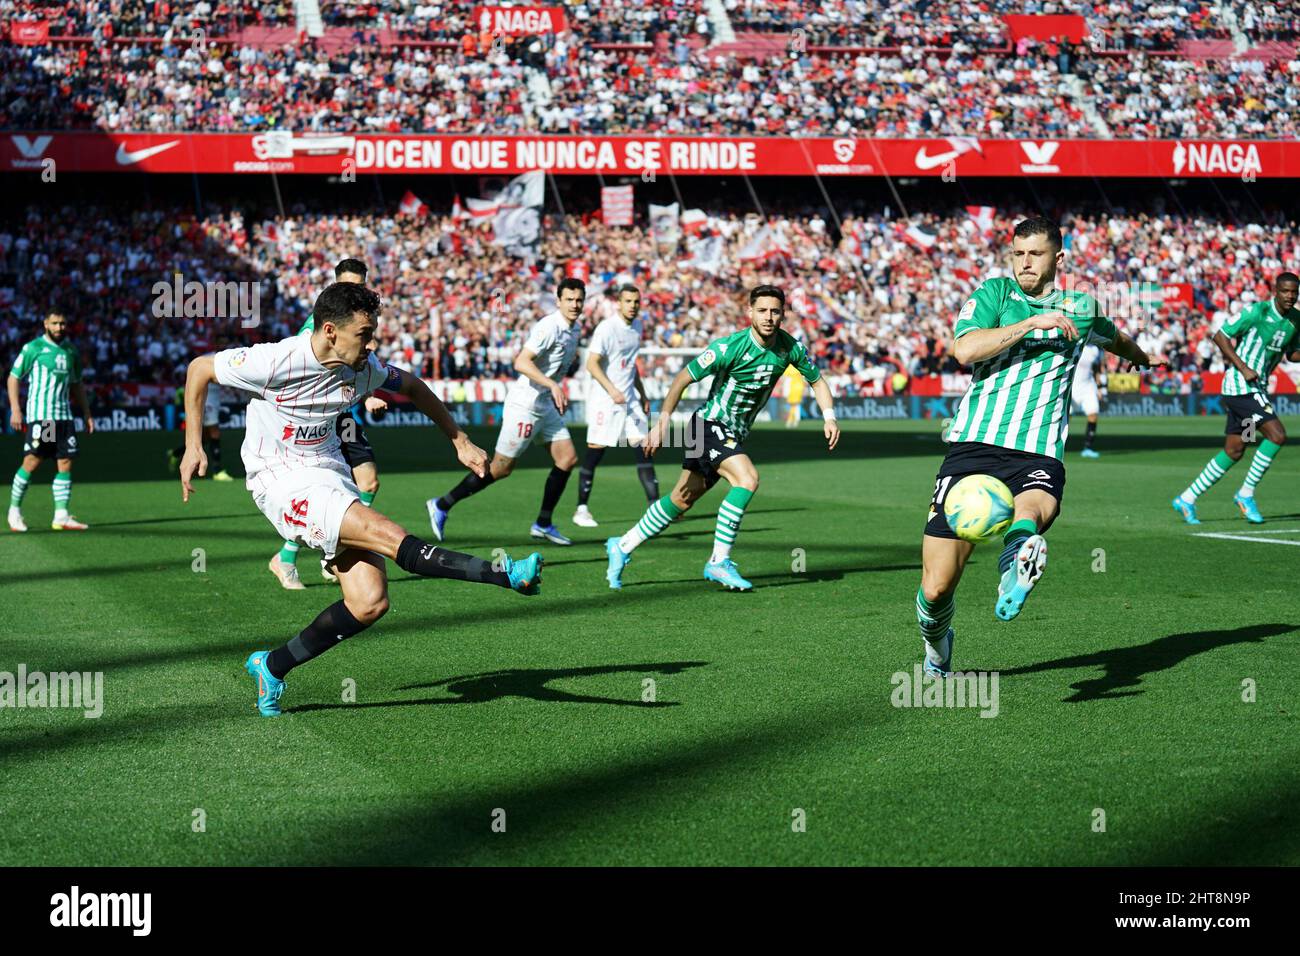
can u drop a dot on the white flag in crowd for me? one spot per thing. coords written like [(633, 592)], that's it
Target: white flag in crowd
[(664, 228), (616, 205), (982, 216), (706, 255)]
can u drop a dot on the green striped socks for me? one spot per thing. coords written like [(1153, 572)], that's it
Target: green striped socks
[(1259, 463), (657, 517), (289, 552), (934, 616), (1216, 469), (19, 488), (730, 513), (62, 494)]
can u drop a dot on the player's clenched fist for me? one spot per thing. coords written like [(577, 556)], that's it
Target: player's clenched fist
[(194, 461)]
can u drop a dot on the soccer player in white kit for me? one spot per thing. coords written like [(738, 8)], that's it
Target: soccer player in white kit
[(534, 407), (614, 413), (1085, 392), (300, 481)]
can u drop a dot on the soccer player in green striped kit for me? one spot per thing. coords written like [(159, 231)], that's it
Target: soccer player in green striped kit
[(1264, 332), (745, 366), (54, 371), (1023, 337)]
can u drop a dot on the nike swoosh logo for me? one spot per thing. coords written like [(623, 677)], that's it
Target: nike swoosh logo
[(926, 161), (128, 158)]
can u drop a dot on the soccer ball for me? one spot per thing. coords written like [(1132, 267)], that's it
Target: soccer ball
[(978, 507)]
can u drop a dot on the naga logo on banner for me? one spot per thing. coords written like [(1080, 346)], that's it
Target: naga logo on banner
[(520, 21), (1040, 157), (32, 151), (1233, 158)]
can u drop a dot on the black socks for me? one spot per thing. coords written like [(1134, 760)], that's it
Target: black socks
[(555, 483), (332, 625), (431, 561), (587, 473), (470, 485)]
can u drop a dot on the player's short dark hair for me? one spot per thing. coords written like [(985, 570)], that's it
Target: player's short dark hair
[(341, 301), (1040, 226), (628, 287), (1286, 277), (571, 282), (759, 291), (354, 266)]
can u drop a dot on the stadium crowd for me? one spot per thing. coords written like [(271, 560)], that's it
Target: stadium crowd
[(872, 295), (571, 84)]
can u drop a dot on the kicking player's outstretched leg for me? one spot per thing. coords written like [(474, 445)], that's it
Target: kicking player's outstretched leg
[(942, 561), (370, 530), (364, 582), (1024, 552), (661, 513)]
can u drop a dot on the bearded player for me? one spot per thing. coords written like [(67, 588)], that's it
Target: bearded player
[(1263, 333), (300, 481), (745, 366), (1022, 336), (52, 367)]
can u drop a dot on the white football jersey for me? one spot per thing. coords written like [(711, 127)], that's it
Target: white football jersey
[(553, 341), (619, 343), (293, 404), (1088, 359)]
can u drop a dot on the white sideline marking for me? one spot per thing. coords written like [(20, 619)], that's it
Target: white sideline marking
[(1243, 537)]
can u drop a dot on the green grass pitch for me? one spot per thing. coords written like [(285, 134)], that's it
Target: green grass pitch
[(1120, 690)]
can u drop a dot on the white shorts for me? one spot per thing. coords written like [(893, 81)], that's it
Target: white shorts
[(1085, 396), (609, 424), (520, 424), (307, 506), (212, 408)]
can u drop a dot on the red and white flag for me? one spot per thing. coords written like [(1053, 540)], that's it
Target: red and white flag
[(766, 244), (693, 221), (270, 232), (411, 205), (458, 211), (616, 205), (982, 216), (920, 236)]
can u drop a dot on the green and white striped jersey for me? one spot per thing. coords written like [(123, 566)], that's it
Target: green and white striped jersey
[(1261, 336), (1020, 398), (744, 373), (53, 367)]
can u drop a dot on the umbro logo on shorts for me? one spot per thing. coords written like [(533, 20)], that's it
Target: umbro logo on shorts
[(1039, 474)]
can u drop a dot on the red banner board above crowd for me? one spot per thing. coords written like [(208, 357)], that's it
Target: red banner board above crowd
[(336, 153)]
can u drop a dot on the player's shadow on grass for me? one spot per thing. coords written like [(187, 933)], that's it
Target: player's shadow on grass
[(528, 683), (1126, 666), (240, 514), (784, 579)]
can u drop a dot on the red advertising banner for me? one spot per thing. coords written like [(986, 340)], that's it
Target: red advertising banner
[(331, 154), (1046, 26), (30, 32), (520, 21)]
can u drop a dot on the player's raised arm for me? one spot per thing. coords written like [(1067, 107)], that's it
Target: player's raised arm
[(1127, 349), (200, 375), (404, 383)]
